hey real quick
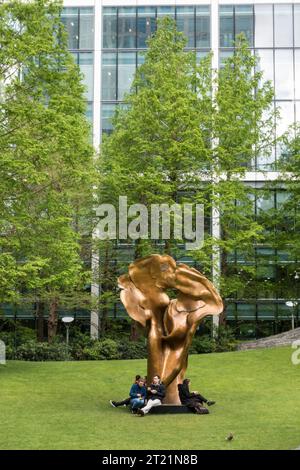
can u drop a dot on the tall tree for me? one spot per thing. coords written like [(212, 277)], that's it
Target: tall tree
[(187, 135), (46, 167)]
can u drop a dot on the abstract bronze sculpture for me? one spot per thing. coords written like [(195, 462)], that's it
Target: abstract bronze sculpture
[(170, 324)]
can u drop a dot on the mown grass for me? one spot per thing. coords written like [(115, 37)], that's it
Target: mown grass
[(64, 405)]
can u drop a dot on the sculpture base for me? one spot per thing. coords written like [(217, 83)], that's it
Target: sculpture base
[(170, 409)]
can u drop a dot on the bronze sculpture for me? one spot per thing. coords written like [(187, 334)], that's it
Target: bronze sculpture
[(170, 324)]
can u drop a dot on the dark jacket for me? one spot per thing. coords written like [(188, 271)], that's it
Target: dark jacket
[(184, 393), (136, 389), (161, 392)]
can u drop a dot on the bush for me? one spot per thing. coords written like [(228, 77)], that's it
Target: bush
[(104, 349), (203, 345), (34, 351), (133, 350)]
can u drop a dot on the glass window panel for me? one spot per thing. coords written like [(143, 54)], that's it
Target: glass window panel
[(266, 64), (266, 311), (109, 28), (286, 109), (265, 202), (202, 26), (140, 58), (223, 56), (284, 77), (126, 70), (283, 23), (298, 111), (109, 76), (89, 112), (286, 116), (107, 113), (86, 67), (226, 26), (127, 28), (185, 20), (165, 11), (86, 37), (200, 55), (297, 73), (230, 311), (70, 19), (146, 25), (246, 311), (244, 22), (282, 197), (263, 25), (284, 312), (297, 25)]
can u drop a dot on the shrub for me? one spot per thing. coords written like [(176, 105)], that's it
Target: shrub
[(34, 351), (133, 350), (104, 349)]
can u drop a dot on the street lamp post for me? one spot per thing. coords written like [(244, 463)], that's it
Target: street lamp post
[(292, 304), (67, 322)]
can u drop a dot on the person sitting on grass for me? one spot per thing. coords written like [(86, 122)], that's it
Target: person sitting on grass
[(125, 402), (138, 395), (155, 394), (193, 400)]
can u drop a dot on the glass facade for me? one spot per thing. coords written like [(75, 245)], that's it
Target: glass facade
[(79, 24), (273, 32), (124, 38)]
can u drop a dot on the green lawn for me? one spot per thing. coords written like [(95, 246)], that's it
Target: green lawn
[(59, 405)]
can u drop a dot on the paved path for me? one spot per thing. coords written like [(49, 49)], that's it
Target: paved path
[(283, 339)]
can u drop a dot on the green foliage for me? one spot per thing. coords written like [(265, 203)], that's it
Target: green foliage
[(46, 165), (34, 351), (105, 349), (189, 135)]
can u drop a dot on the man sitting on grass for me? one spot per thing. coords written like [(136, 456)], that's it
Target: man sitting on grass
[(155, 395), (125, 402), (193, 400), (138, 395)]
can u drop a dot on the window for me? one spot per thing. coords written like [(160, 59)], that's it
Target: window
[(186, 23), (108, 111), (89, 113), (297, 25), (283, 22), (146, 25), (86, 67), (266, 64), (284, 79), (286, 116), (246, 311), (265, 203), (244, 22), (127, 28), (263, 26), (126, 70), (109, 76), (202, 26), (297, 74), (226, 26), (70, 20), (86, 38), (109, 28), (266, 312), (165, 11)]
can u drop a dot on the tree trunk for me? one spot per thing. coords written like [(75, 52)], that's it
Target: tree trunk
[(52, 320), (134, 332), (40, 310)]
